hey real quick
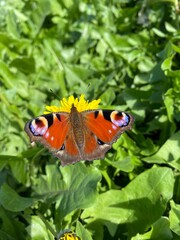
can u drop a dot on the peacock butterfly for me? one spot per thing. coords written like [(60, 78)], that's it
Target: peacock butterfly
[(78, 133)]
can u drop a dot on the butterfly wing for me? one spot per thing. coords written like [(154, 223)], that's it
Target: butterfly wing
[(78, 136), (49, 129), (104, 127), (55, 132)]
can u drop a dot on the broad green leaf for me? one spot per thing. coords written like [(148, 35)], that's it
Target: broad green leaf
[(166, 65), (7, 76), (80, 188), (11, 81), (24, 64), (108, 96), (12, 26), (125, 165), (116, 42), (71, 187), (159, 230), (11, 228), (169, 153), (38, 230), (148, 193), (76, 75), (49, 185), (39, 12), (97, 229), (11, 201), (82, 232), (19, 168), (174, 217)]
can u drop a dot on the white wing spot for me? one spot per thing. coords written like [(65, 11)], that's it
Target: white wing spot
[(114, 126), (47, 134)]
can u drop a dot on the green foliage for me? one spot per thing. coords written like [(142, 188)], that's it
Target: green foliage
[(123, 52)]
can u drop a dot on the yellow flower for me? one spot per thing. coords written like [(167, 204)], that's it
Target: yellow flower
[(66, 104)]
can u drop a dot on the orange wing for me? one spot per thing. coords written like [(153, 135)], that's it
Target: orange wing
[(49, 129), (54, 131), (108, 125)]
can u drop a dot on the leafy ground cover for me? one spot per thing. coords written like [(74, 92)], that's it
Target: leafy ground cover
[(127, 54)]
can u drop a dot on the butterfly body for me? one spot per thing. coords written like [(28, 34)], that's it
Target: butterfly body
[(76, 136)]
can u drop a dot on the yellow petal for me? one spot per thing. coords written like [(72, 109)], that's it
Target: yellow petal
[(66, 104)]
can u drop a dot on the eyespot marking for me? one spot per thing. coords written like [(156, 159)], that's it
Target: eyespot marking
[(38, 126), (120, 119)]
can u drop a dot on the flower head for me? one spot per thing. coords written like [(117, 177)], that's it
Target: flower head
[(80, 103)]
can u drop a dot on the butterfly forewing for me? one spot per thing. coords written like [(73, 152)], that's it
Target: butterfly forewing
[(108, 125), (49, 129)]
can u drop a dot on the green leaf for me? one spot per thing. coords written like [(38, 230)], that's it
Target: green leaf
[(19, 168), (11, 227), (158, 33), (72, 187), (168, 101), (174, 217), (39, 12), (159, 230), (76, 75), (166, 65), (125, 165), (165, 153), (80, 191), (82, 232), (170, 27), (12, 201), (148, 193), (37, 229), (108, 96), (24, 64)]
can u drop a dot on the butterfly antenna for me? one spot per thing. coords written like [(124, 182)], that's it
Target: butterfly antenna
[(55, 94), (87, 89)]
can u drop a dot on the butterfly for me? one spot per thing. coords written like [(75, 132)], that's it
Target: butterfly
[(79, 135), (69, 236)]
